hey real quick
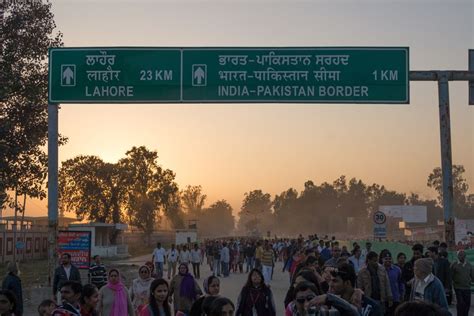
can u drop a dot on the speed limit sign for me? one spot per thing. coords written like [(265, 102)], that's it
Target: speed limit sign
[(379, 218)]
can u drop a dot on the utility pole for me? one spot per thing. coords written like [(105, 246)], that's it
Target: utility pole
[(443, 78), (52, 188)]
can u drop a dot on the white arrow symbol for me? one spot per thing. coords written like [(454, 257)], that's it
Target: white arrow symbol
[(199, 75), (68, 74)]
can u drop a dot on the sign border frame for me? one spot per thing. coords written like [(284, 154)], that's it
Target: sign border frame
[(51, 51)]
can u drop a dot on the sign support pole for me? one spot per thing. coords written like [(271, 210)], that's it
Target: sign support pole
[(446, 157), (443, 78), (52, 188)]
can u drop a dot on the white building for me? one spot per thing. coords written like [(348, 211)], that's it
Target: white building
[(186, 236), (100, 239)]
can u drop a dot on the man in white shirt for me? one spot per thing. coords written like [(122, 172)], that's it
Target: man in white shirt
[(185, 255), (368, 247), (172, 257), (225, 259), (356, 259), (196, 260), (159, 258)]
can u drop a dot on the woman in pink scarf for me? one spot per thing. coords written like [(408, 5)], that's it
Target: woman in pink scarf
[(114, 297)]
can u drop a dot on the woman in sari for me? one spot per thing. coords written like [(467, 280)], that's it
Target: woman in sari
[(184, 290), (114, 298), (140, 290)]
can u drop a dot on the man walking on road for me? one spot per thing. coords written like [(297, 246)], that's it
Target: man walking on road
[(258, 256), (249, 256), (70, 298), (172, 257), (159, 258), (396, 283), (97, 273), (185, 256), (225, 259), (336, 254), (356, 259), (365, 252), (267, 262), (373, 280), (427, 287), (196, 261), (408, 269), (441, 269), (65, 272), (463, 276), (343, 283), (216, 254)]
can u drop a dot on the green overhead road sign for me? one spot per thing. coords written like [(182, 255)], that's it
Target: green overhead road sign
[(229, 75), (114, 75)]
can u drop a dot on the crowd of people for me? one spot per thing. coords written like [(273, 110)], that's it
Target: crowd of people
[(324, 277)]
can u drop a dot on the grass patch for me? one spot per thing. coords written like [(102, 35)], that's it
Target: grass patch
[(32, 272), (140, 250)]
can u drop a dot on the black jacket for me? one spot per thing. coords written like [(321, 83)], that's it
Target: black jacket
[(441, 269), (60, 277), (261, 299), (13, 283)]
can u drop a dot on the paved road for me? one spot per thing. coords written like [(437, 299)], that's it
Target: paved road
[(231, 286)]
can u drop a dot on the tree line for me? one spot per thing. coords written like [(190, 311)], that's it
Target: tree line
[(326, 208), (138, 191)]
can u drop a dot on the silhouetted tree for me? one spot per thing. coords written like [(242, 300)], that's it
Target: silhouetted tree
[(287, 213), (149, 187), (103, 192), (25, 37), (379, 195), (193, 200), (463, 208), (217, 220), (173, 210), (91, 188), (256, 212)]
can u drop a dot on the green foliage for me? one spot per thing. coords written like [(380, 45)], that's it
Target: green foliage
[(193, 200), (325, 208), (173, 211), (256, 212), (27, 34), (217, 220), (136, 186), (93, 189), (463, 207), (149, 187)]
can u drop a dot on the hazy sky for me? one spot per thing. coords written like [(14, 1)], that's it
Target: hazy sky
[(233, 148)]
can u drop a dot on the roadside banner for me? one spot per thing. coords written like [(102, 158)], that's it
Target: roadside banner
[(78, 245)]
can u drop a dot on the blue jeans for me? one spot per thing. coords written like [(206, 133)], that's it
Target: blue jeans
[(250, 262), (225, 268), (217, 267), (159, 269)]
